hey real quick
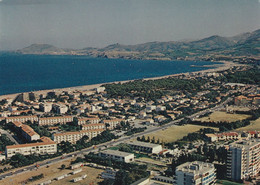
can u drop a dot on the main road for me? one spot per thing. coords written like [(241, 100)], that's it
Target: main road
[(109, 143)]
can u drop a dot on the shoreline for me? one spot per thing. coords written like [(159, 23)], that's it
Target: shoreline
[(219, 67)]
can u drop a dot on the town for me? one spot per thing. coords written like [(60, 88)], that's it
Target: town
[(196, 128)]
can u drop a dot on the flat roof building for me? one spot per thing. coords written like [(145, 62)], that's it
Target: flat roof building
[(73, 137), (243, 160), (47, 146), (117, 155), (196, 173), (55, 120), (145, 147)]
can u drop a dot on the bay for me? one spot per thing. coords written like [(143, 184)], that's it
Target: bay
[(24, 73)]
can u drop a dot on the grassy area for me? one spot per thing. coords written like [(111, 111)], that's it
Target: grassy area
[(255, 125), (174, 133), (225, 182), (219, 116)]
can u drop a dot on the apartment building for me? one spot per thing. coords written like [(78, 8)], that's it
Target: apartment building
[(117, 155), (55, 120), (45, 107), (83, 121), (112, 123), (73, 137), (243, 160), (195, 173), (93, 126), (46, 146), (145, 147), (21, 119)]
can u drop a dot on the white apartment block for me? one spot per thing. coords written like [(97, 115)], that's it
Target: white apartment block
[(21, 119), (243, 159), (73, 137), (93, 126), (47, 146), (112, 123), (55, 120), (45, 107), (83, 121), (145, 147), (195, 173), (117, 155), (59, 108)]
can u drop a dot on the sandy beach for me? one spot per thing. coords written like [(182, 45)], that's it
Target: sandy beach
[(219, 67)]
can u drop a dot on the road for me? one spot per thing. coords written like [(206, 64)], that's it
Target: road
[(9, 136), (110, 143)]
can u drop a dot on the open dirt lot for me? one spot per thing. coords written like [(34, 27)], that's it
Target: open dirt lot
[(174, 133), (55, 171), (223, 116)]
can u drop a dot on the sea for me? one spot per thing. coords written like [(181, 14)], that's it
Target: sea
[(25, 73)]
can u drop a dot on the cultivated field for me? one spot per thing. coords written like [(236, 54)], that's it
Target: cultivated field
[(174, 133), (255, 125), (218, 116), (55, 171)]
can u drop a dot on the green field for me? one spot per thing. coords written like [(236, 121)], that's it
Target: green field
[(175, 133)]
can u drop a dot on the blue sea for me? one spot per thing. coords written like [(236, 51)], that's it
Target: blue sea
[(24, 73)]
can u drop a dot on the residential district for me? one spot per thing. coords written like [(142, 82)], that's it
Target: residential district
[(196, 128)]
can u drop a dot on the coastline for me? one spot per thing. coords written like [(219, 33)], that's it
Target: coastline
[(219, 67)]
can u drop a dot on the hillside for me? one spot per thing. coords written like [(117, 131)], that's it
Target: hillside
[(246, 44)]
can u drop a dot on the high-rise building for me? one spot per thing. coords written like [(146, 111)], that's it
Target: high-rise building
[(243, 160), (195, 173)]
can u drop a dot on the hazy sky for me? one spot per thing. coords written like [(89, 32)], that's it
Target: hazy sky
[(98, 23)]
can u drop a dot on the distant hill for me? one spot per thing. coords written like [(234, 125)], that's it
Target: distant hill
[(41, 49), (246, 44)]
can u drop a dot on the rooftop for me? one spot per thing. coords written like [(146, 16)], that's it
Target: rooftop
[(116, 152), (195, 167), (77, 132), (144, 144), (246, 144), (45, 141)]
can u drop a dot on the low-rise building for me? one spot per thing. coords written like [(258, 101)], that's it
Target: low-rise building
[(117, 155), (21, 119), (27, 132), (46, 146), (145, 147), (224, 136), (55, 120), (83, 121), (73, 137), (196, 173), (93, 126)]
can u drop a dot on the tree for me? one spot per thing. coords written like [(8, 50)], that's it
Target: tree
[(62, 166), (122, 178)]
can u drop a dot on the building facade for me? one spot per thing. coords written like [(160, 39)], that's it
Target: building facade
[(47, 146), (55, 120), (117, 155), (145, 147), (73, 137), (195, 173), (243, 160)]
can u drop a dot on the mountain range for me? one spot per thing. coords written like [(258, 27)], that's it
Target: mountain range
[(246, 44)]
